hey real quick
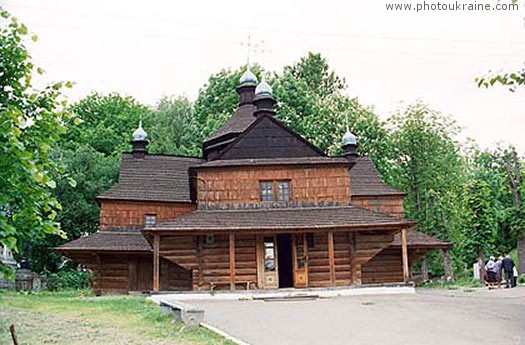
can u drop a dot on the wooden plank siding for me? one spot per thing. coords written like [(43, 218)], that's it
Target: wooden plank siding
[(239, 186), (119, 213), (212, 265), (387, 266), (121, 273)]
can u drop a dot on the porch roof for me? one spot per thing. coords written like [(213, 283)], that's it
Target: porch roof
[(416, 239), (298, 218), (108, 240)]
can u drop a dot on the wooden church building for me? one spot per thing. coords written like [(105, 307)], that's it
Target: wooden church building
[(262, 209)]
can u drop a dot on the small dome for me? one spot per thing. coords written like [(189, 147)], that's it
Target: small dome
[(140, 134), (248, 77), (349, 139), (263, 88)]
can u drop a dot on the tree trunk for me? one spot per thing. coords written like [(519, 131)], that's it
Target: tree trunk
[(449, 272), (521, 254), (512, 166), (481, 263), (424, 269)]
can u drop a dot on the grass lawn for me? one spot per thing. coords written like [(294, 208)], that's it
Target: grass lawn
[(78, 317)]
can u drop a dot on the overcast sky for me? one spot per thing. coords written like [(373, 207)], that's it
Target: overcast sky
[(148, 49)]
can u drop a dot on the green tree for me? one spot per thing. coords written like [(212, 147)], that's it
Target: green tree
[(310, 99), (107, 123), (429, 168), (478, 236), (512, 80), (30, 124), (80, 214), (171, 127)]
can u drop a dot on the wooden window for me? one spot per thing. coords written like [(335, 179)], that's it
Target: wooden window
[(150, 220), (266, 190), (283, 190)]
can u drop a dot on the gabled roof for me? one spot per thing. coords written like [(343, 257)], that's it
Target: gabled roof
[(153, 178), (416, 239), (278, 219), (365, 180), (122, 241), (267, 137)]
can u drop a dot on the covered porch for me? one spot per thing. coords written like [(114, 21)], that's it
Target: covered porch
[(276, 248)]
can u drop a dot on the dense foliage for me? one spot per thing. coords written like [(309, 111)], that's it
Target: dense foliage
[(31, 122)]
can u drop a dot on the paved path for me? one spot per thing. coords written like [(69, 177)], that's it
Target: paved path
[(443, 317)]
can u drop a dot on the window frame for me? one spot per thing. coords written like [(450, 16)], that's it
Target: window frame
[(275, 190), (288, 184), (262, 194), (146, 216)]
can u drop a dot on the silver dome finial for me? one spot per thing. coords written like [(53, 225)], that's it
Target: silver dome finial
[(248, 77), (140, 134), (263, 88), (349, 138)]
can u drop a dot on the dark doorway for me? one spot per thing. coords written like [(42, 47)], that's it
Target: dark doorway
[(284, 259)]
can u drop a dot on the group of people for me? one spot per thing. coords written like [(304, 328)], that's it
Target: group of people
[(495, 271)]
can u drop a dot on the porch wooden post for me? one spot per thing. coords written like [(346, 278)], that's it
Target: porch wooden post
[(156, 249), (354, 269), (331, 257), (99, 272), (404, 254), (232, 262), (133, 274), (200, 260)]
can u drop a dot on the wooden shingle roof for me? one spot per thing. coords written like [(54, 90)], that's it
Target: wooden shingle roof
[(420, 240), (365, 180), (123, 241), (153, 178), (238, 123), (298, 218)]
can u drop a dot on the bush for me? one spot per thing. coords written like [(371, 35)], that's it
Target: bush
[(67, 280), (521, 279)]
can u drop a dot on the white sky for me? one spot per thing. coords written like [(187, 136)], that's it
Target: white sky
[(155, 48)]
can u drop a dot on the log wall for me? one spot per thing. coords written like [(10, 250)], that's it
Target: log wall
[(210, 262), (387, 266), (318, 262), (118, 214)]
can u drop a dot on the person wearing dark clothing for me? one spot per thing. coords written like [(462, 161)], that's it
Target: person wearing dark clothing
[(490, 268), (508, 268)]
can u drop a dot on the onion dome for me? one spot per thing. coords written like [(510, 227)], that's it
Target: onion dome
[(349, 139), (140, 134), (263, 88), (248, 77)]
